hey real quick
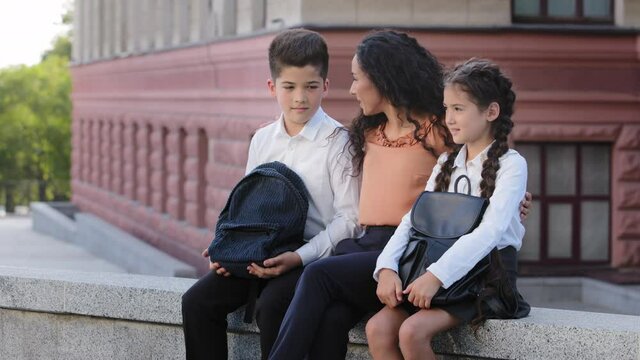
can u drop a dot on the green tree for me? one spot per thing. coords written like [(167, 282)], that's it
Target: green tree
[(35, 123)]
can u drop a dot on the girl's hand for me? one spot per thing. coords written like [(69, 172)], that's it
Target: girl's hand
[(422, 290), (389, 288)]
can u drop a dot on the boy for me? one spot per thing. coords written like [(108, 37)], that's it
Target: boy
[(306, 140)]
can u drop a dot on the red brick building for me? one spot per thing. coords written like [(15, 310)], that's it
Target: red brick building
[(166, 94)]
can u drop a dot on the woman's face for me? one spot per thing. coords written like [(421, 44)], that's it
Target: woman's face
[(369, 98)]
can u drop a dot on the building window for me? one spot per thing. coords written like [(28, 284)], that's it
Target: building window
[(570, 222), (563, 11)]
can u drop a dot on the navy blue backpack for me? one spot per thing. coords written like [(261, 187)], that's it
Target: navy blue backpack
[(264, 216)]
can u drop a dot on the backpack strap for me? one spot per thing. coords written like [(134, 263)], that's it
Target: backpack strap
[(250, 309)]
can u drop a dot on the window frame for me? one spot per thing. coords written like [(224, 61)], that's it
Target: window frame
[(575, 201), (545, 18)]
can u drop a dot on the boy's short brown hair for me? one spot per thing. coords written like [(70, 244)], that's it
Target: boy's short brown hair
[(298, 47)]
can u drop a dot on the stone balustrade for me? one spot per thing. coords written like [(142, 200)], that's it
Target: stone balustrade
[(56, 314)]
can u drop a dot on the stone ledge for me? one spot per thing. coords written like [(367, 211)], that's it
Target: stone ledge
[(118, 296), (545, 334)]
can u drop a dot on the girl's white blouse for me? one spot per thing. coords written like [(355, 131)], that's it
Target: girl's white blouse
[(500, 226)]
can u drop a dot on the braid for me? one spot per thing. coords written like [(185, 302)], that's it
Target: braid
[(500, 128), (443, 179)]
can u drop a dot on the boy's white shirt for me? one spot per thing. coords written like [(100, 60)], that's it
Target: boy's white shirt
[(500, 226), (319, 157)]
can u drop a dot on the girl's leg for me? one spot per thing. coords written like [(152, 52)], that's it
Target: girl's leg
[(418, 330), (382, 333), (345, 278)]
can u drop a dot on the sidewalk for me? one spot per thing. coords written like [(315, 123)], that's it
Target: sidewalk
[(20, 246)]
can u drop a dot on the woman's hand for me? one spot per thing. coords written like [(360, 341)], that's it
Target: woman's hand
[(389, 288), (525, 206), (422, 290)]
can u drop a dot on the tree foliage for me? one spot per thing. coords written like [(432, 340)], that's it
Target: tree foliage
[(35, 127)]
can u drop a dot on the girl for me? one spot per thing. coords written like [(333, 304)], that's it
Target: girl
[(395, 142), (479, 103)]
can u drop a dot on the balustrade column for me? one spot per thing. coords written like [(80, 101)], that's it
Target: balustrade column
[(116, 157), (76, 149), (130, 165), (142, 160), (175, 178), (105, 154), (95, 152), (194, 186), (157, 163), (86, 150)]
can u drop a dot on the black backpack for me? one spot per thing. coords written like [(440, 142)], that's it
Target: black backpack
[(264, 216)]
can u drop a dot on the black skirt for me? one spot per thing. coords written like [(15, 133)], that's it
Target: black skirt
[(468, 310)]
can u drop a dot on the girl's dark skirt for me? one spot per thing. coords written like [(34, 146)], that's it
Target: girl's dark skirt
[(468, 310)]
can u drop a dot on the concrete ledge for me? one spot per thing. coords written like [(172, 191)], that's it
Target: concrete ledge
[(151, 305), (108, 242)]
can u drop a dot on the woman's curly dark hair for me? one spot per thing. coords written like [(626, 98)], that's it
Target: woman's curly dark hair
[(484, 83), (409, 77)]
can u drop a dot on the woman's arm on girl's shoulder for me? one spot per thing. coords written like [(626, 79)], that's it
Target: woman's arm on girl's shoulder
[(503, 207)]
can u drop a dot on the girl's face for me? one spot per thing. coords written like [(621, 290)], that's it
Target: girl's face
[(369, 98), (467, 123)]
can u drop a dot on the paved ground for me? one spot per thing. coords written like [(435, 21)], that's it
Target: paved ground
[(23, 247)]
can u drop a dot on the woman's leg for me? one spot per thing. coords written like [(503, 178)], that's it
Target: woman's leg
[(345, 278), (417, 331), (272, 305), (382, 333)]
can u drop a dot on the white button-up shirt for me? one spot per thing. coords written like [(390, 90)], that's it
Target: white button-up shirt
[(319, 156), (500, 226)]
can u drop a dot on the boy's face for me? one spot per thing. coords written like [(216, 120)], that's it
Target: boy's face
[(299, 91)]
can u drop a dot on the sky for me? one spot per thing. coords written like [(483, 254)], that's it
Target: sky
[(27, 29)]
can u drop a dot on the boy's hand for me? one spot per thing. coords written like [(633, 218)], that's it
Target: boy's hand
[(422, 290), (276, 266), (389, 288), (525, 206), (214, 266)]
